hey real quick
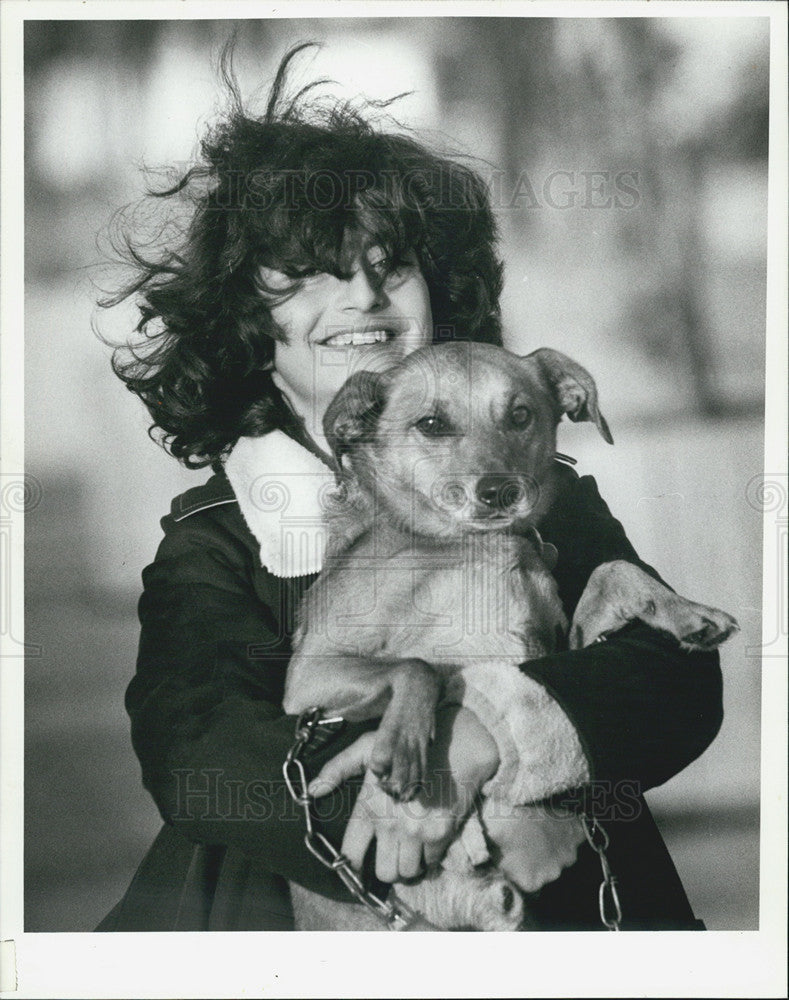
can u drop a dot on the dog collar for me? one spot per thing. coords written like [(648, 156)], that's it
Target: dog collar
[(283, 491)]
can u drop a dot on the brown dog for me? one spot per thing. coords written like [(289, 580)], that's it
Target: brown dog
[(435, 564)]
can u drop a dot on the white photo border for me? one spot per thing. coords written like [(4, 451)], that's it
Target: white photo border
[(722, 964)]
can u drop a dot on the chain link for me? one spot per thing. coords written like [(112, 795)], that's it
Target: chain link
[(608, 896), (392, 912)]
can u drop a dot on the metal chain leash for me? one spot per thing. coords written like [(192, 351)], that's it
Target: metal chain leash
[(608, 896), (392, 912)]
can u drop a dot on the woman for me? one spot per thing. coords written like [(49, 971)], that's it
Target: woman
[(317, 245)]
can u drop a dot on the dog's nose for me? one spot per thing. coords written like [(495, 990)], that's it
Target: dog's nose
[(500, 492)]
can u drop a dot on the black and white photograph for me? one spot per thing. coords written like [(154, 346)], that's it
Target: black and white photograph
[(394, 498)]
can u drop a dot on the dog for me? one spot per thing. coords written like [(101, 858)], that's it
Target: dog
[(435, 565)]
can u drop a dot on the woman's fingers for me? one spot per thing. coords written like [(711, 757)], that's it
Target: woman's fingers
[(375, 816), (409, 860), (386, 855), (347, 764), (361, 828), (359, 834), (406, 833)]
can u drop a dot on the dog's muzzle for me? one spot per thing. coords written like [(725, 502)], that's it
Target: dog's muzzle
[(501, 494), (491, 498)]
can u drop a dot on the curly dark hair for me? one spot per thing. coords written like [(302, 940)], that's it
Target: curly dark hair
[(282, 190)]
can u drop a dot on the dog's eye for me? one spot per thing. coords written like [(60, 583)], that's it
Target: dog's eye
[(520, 416), (433, 426)]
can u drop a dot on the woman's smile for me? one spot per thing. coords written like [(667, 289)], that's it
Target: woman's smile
[(359, 338), (334, 326)]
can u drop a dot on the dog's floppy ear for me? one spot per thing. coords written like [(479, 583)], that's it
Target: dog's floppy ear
[(353, 414), (573, 387)]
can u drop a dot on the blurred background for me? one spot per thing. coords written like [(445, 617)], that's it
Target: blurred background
[(627, 160)]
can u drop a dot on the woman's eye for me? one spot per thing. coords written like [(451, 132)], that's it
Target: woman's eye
[(520, 416), (386, 264), (300, 273), (433, 426), (376, 255), (382, 267), (275, 281)]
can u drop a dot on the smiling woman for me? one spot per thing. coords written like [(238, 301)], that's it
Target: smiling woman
[(319, 246), (312, 231)]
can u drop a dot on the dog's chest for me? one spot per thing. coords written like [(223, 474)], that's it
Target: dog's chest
[(485, 596)]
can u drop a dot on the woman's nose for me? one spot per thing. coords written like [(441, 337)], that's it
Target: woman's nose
[(363, 291)]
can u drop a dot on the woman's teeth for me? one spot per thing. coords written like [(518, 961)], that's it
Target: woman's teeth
[(357, 339)]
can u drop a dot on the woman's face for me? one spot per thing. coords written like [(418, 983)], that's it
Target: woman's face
[(335, 326)]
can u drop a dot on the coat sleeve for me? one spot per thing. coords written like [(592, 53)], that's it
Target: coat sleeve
[(636, 708), (205, 703)]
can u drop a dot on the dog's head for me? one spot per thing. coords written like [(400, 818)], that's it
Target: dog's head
[(459, 437)]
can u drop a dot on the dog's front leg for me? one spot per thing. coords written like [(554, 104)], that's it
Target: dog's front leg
[(399, 756), (404, 692), (619, 592), (355, 687)]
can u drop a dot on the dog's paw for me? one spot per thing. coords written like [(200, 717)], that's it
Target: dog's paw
[(498, 905), (705, 629), (472, 901), (399, 760)]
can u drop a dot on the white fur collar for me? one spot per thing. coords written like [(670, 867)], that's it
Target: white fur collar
[(282, 490)]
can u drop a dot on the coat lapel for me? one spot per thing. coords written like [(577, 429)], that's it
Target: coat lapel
[(283, 492)]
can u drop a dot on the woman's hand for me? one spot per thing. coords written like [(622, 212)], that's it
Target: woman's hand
[(412, 835)]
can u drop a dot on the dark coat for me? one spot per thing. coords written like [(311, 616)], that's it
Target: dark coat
[(211, 736)]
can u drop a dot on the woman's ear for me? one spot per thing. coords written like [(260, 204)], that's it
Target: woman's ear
[(573, 388), (352, 416)]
